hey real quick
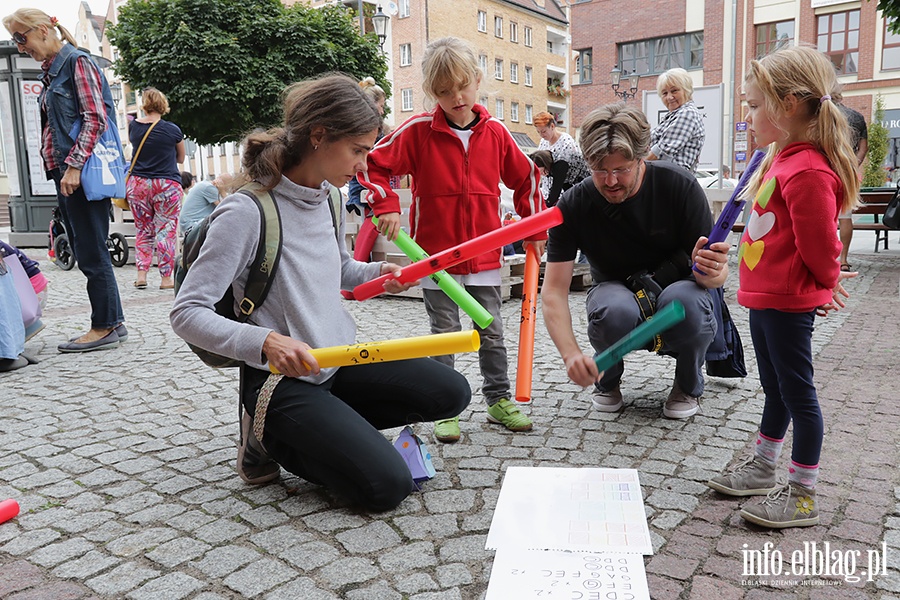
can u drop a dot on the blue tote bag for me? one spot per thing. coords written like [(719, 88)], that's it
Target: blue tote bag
[(103, 175)]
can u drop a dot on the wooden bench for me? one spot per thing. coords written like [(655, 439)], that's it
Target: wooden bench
[(873, 202)]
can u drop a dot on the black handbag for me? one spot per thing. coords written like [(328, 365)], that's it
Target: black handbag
[(725, 356), (891, 218)]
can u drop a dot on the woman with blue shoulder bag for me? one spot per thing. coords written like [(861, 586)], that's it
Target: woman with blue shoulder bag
[(75, 95)]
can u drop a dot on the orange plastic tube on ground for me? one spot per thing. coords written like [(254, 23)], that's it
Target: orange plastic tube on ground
[(437, 344), (526, 325)]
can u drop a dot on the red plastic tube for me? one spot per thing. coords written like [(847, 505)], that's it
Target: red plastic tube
[(8, 510), (445, 259)]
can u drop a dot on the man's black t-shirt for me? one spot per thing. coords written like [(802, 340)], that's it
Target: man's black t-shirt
[(662, 221)]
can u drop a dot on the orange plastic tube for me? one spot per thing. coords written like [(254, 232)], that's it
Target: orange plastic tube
[(526, 325)]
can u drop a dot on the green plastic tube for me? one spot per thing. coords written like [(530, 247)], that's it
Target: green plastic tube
[(641, 335), (451, 287)]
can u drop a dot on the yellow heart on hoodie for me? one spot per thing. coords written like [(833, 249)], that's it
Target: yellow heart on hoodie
[(751, 253)]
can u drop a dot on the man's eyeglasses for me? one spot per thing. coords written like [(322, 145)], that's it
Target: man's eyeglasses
[(617, 173), (21, 38)]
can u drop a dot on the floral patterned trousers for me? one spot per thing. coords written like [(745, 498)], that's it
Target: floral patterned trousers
[(155, 204)]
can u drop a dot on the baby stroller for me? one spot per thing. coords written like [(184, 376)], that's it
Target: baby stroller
[(61, 253)]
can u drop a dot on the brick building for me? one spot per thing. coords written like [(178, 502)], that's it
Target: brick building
[(715, 42), (523, 50)]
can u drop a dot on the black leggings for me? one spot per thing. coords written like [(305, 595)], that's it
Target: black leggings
[(329, 433)]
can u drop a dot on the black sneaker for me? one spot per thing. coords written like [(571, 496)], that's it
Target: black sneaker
[(253, 464)]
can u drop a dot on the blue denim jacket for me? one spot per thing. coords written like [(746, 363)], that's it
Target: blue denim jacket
[(62, 102)]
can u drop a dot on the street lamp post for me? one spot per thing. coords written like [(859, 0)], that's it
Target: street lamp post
[(633, 79), (379, 22), (116, 90)]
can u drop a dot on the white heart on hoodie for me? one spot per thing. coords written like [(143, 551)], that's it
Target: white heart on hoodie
[(760, 225)]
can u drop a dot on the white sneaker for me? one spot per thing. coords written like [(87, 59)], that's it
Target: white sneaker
[(610, 401), (680, 405)]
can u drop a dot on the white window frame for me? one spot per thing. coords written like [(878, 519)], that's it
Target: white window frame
[(513, 72), (514, 112), (498, 27), (405, 55), (529, 113), (406, 100), (482, 63), (498, 69), (529, 39), (514, 32), (529, 76), (499, 109), (482, 21), (404, 9)]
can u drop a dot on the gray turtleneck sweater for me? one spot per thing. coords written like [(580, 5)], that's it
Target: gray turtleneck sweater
[(304, 301)]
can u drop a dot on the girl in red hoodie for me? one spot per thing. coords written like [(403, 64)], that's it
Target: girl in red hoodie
[(457, 155), (789, 270)]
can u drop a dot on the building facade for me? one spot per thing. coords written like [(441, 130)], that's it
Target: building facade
[(650, 38)]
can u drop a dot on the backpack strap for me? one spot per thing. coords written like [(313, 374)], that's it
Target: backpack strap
[(268, 251), (335, 206)]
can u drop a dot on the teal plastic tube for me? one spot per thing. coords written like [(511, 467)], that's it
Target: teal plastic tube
[(451, 287), (641, 335)]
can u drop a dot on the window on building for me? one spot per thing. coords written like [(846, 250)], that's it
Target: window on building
[(498, 68), (483, 101), (890, 54), (514, 33), (405, 55), (513, 72), (406, 100), (527, 32), (584, 65), (838, 37), (661, 54), (528, 112), (498, 27), (772, 36), (482, 21), (499, 112), (514, 112), (404, 9), (482, 63)]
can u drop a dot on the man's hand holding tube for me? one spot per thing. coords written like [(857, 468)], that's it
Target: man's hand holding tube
[(711, 263)]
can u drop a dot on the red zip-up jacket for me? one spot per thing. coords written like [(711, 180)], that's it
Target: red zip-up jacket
[(455, 194)]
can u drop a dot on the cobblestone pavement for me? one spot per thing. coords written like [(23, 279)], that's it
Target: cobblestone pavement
[(123, 464)]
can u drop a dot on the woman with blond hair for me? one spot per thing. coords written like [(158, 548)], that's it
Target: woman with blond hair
[(154, 187), (680, 135), (74, 91)]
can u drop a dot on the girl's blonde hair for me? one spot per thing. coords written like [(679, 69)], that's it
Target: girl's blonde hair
[(154, 100), (333, 102), (809, 76), (449, 62), (33, 17), (374, 90)]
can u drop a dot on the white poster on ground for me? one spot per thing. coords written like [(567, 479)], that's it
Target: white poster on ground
[(576, 509)]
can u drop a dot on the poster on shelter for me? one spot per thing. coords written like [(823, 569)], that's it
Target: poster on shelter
[(31, 117)]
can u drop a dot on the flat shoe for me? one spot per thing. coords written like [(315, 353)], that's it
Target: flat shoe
[(167, 287), (140, 285), (845, 267), (110, 340)]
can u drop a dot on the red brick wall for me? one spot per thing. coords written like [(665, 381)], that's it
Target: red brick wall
[(604, 23)]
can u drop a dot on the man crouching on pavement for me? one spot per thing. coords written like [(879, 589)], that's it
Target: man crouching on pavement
[(642, 226)]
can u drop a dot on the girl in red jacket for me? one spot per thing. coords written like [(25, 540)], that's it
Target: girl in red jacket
[(788, 259), (457, 155)]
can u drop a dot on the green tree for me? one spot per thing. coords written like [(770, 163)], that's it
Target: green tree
[(891, 11), (223, 64), (878, 147)]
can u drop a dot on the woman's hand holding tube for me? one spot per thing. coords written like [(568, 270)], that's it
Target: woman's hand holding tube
[(289, 356)]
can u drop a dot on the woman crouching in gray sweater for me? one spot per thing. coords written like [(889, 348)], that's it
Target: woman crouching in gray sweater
[(320, 424)]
